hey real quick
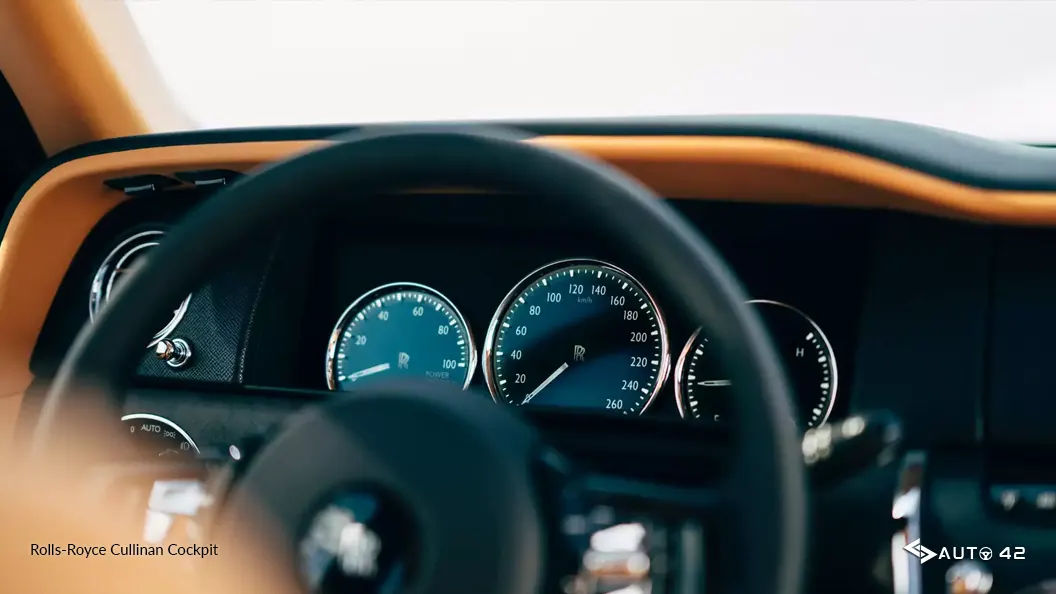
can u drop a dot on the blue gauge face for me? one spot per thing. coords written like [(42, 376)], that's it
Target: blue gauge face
[(398, 331), (578, 334), (703, 390)]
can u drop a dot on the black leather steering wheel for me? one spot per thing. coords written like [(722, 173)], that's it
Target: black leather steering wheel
[(761, 506)]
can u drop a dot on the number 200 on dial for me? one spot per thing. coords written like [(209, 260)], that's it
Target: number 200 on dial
[(578, 334)]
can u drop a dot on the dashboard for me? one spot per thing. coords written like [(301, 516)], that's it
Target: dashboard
[(477, 290), (873, 303)]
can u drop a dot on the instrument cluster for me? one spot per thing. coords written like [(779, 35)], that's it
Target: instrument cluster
[(578, 334), (488, 303)]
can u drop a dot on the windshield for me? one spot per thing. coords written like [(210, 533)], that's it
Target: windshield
[(977, 67)]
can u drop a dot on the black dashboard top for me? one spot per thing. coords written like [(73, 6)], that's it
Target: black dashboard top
[(963, 158)]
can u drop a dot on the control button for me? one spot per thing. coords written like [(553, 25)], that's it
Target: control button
[(1006, 497), (1045, 500), (1035, 501), (969, 577), (209, 177), (141, 184), (618, 559)]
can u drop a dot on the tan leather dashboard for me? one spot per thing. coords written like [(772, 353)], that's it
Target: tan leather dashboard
[(61, 207)]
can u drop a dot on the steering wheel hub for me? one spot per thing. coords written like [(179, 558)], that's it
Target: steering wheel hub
[(359, 542), (398, 490)]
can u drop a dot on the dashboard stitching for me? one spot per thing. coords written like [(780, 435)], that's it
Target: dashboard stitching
[(272, 251)]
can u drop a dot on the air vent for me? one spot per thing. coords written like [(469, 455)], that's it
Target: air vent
[(121, 260)]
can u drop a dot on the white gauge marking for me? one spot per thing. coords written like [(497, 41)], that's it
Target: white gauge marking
[(546, 382)]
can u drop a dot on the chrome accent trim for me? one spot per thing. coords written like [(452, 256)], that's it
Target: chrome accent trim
[(504, 306), (905, 506), (679, 367), (342, 320), (969, 577), (170, 423), (103, 281), (679, 387), (824, 340)]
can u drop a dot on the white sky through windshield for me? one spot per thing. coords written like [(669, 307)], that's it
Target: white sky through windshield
[(978, 67)]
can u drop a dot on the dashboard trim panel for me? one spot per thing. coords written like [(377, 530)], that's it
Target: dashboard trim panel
[(54, 214)]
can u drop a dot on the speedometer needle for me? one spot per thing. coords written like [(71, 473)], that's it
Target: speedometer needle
[(545, 383), (368, 371)]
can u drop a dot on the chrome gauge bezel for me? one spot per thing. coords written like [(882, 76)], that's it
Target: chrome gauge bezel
[(496, 319), (680, 365), (679, 368), (106, 274), (164, 421), (366, 298)]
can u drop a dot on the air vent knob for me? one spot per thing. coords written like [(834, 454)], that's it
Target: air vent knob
[(176, 352)]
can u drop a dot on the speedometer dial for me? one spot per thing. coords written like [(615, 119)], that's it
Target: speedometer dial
[(579, 334), (400, 330)]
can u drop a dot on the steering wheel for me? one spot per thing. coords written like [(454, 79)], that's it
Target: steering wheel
[(479, 503)]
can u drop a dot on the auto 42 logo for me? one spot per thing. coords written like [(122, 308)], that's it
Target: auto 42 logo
[(959, 553)]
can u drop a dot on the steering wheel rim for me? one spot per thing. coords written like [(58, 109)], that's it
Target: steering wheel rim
[(767, 473)]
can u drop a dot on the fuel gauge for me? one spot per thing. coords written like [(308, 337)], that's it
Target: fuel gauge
[(702, 389)]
